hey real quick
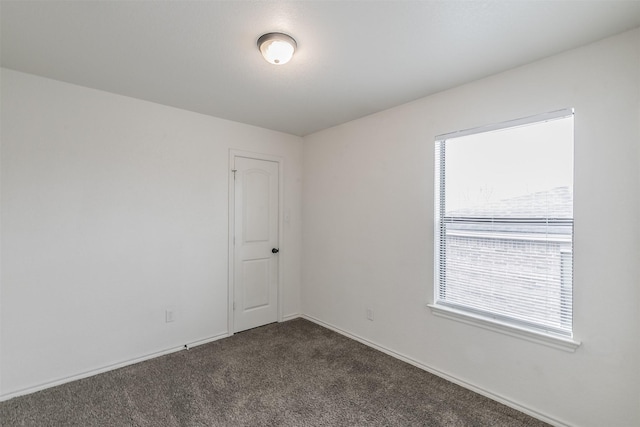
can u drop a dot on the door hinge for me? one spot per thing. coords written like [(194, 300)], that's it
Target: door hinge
[(234, 173)]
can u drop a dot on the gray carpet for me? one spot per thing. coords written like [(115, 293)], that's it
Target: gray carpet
[(294, 373)]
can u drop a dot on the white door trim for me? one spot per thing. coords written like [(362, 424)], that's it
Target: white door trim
[(231, 254)]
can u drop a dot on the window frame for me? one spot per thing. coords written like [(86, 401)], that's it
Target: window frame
[(468, 316)]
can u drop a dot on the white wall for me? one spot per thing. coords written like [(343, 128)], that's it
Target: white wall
[(113, 209), (368, 235)]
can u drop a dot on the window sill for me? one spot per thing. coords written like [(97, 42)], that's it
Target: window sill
[(561, 343)]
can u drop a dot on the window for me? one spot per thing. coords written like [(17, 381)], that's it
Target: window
[(504, 224)]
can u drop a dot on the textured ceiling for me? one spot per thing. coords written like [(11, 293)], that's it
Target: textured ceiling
[(354, 57)]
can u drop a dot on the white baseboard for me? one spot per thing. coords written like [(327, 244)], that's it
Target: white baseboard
[(122, 364), (364, 341), (206, 340), (107, 368), (290, 317), (448, 377)]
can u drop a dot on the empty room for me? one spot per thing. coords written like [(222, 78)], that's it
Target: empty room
[(320, 213)]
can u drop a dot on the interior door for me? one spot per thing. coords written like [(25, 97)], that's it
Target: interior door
[(255, 243)]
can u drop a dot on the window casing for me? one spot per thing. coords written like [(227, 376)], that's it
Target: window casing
[(504, 223)]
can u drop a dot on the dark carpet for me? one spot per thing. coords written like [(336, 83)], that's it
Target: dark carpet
[(294, 373)]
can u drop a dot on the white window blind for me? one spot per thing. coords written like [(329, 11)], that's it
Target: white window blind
[(504, 222)]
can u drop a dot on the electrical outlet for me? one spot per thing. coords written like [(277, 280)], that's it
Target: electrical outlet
[(370, 314), (169, 315)]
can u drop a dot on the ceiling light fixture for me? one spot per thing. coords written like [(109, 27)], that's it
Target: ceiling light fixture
[(277, 48)]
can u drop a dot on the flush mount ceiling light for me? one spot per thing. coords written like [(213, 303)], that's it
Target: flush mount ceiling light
[(277, 48)]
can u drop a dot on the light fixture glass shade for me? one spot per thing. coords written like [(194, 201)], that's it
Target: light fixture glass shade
[(277, 48)]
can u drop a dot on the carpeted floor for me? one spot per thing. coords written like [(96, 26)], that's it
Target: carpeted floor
[(294, 373)]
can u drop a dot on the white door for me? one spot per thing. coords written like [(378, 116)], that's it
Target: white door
[(255, 293)]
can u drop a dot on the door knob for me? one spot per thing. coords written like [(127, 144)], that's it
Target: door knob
[(275, 250)]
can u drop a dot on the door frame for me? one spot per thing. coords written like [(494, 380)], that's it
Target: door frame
[(231, 255)]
